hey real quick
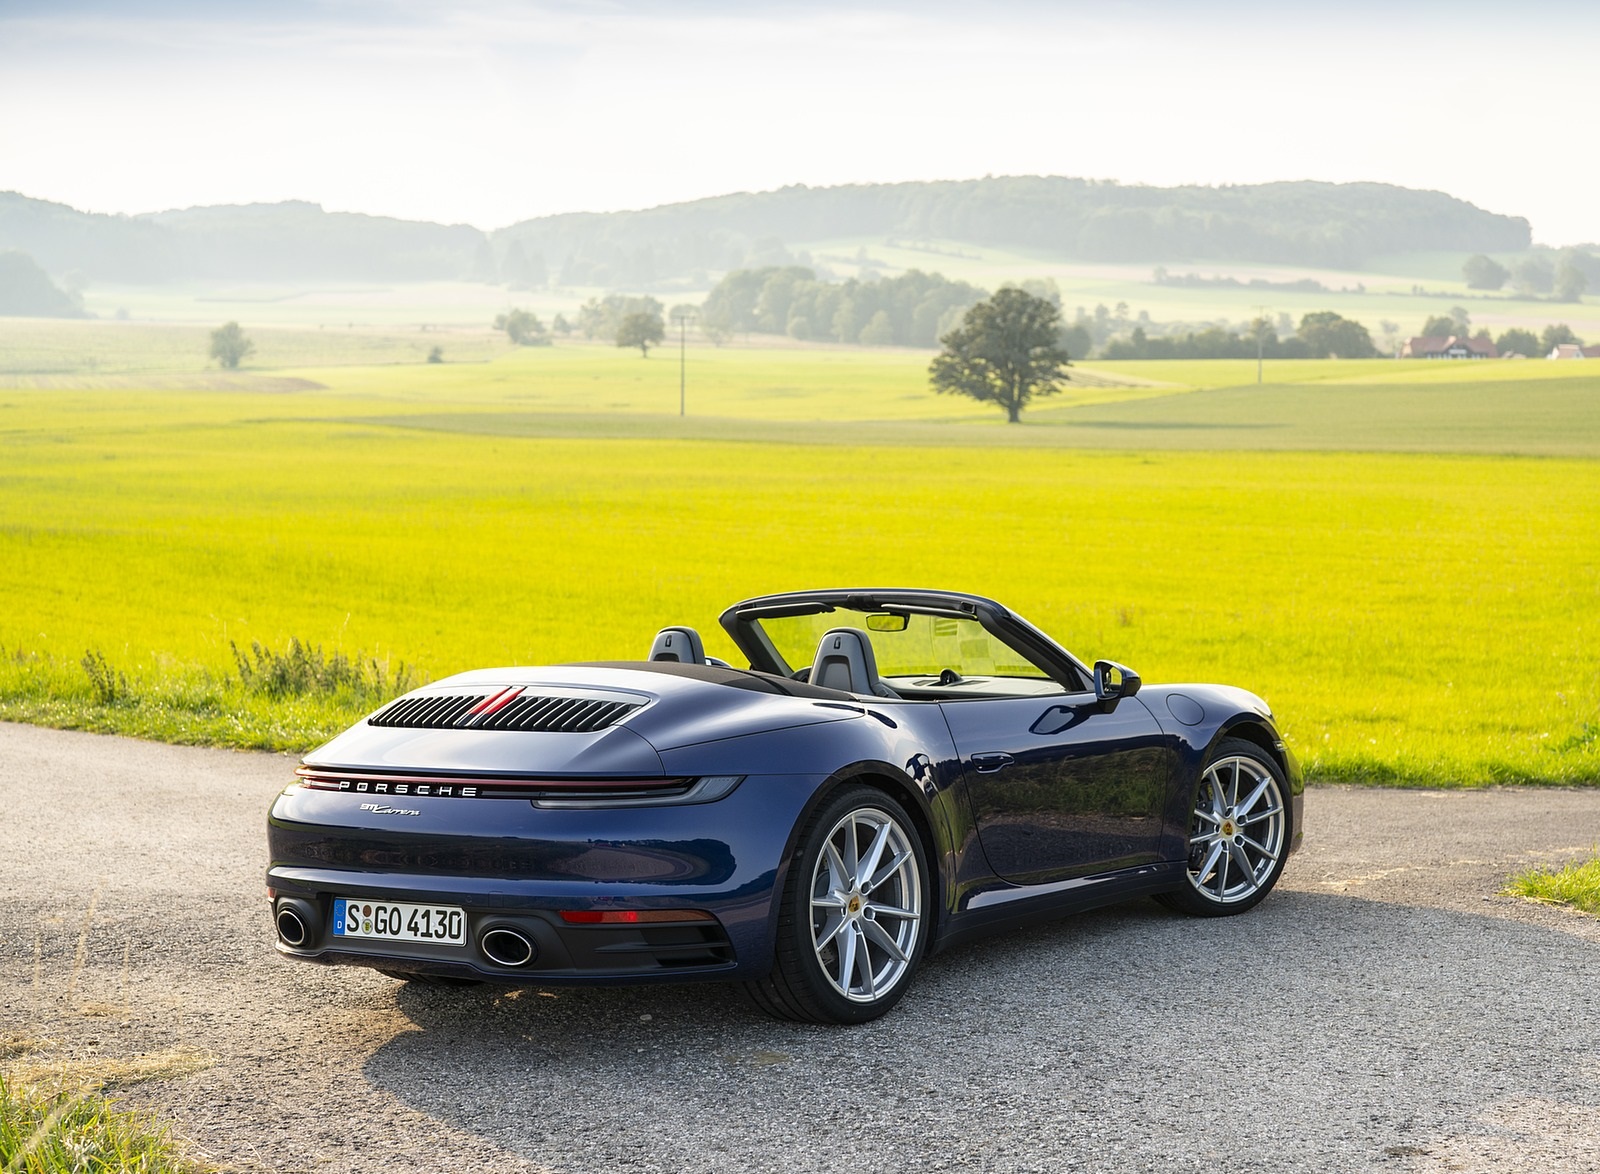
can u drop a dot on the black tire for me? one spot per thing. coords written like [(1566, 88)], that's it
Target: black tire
[(430, 979), (1239, 830), (809, 982)]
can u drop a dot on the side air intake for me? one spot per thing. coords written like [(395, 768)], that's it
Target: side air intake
[(508, 709)]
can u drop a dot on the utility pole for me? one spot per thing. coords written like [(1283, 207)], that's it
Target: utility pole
[(1261, 334), (682, 315)]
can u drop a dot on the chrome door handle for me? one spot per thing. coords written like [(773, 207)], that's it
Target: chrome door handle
[(989, 763)]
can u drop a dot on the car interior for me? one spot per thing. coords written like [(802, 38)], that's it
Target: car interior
[(846, 661)]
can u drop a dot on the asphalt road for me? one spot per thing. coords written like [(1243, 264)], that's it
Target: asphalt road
[(1385, 1009)]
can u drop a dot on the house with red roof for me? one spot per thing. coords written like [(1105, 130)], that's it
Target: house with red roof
[(1572, 350)]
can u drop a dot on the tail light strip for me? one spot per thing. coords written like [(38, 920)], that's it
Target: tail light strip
[(469, 787)]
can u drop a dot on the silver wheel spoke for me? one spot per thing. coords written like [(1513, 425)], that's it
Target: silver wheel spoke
[(851, 853), (1211, 862), (876, 933), (1233, 792), (869, 864), (1210, 817), (1267, 814), (892, 911), (864, 963), (1255, 796), (1219, 801), (829, 933), (840, 880), (1261, 848), (847, 957), (887, 870), (1243, 861)]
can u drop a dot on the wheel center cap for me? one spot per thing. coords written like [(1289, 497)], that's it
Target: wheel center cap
[(854, 905), (1228, 827)]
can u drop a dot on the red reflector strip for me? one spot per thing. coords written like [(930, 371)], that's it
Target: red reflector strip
[(631, 916), (489, 704)]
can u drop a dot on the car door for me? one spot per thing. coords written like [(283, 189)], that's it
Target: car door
[(1059, 787)]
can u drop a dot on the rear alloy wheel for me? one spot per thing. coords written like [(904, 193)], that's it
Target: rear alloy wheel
[(1238, 832), (854, 923)]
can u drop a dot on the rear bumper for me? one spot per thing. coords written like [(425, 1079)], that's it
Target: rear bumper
[(512, 866), (557, 952)]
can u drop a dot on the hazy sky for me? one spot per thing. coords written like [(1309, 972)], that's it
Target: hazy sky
[(492, 111)]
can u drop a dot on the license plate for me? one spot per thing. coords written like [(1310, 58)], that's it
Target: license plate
[(398, 921)]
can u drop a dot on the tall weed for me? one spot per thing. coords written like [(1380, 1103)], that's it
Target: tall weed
[(303, 669)]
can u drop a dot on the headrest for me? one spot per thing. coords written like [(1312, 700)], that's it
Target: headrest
[(681, 644), (845, 661)]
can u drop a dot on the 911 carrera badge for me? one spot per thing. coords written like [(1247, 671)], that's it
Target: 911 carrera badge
[(382, 809)]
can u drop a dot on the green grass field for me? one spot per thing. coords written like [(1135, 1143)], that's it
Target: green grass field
[(51, 352), (1418, 617)]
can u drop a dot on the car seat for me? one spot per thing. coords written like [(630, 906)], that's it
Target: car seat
[(845, 660)]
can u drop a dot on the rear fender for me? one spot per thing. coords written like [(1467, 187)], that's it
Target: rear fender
[(924, 802)]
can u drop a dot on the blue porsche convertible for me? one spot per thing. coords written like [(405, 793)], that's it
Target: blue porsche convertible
[(895, 771)]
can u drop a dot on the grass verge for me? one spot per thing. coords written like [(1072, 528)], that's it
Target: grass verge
[(1576, 885), (286, 701), (66, 1124)]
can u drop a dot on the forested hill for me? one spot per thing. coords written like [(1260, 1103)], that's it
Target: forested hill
[(1323, 224), (291, 241), (1336, 225)]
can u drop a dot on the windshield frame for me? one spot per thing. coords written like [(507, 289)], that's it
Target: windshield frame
[(742, 622)]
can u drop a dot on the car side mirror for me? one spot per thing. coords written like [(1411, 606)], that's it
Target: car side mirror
[(1113, 682)]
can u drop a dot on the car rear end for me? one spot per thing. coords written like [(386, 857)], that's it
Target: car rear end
[(521, 826)]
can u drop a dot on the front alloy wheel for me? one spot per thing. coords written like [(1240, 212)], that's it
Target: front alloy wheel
[(1238, 832), (853, 923)]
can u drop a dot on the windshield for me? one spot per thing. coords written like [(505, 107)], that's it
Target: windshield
[(906, 644)]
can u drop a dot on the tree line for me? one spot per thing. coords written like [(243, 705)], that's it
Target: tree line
[(1321, 334), (1562, 276), (913, 309), (922, 309)]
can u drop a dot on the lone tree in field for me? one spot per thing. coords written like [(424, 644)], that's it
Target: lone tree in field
[(230, 345), (1006, 351), (642, 331)]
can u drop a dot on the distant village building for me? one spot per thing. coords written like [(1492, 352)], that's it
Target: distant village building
[(1571, 350), (1452, 347)]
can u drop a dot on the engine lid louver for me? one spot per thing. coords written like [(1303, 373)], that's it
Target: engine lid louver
[(506, 709)]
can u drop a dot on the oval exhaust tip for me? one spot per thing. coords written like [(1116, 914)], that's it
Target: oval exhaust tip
[(507, 947), (291, 928)]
